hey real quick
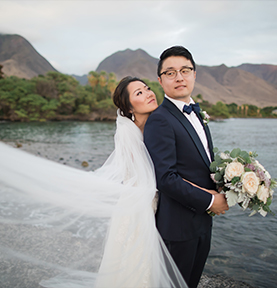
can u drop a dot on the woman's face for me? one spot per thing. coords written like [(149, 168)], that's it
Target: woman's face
[(142, 98)]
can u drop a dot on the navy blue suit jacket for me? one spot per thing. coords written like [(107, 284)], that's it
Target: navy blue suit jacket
[(177, 152)]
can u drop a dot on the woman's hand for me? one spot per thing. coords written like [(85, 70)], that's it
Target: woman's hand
[(213, 192)]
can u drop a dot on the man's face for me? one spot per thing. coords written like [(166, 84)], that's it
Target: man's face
[(180, 87)]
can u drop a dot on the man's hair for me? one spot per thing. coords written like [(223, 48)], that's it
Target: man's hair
[(175, 51)]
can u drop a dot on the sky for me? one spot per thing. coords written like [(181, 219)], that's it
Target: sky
[(75, 36)]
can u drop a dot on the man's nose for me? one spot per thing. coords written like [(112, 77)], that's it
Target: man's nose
[(179, 76)]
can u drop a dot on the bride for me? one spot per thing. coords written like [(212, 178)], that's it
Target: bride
[(123, 191)]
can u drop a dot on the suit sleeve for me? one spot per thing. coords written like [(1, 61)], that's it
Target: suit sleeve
[(159, 138)]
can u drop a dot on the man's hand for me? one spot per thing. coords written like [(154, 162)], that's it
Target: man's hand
[(220, 204)]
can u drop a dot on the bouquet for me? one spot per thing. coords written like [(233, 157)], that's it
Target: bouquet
[(243, 180)]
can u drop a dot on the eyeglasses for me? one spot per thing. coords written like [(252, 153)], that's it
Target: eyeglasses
[(171, 74)]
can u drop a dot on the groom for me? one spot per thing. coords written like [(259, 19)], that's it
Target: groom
[(180, 146)]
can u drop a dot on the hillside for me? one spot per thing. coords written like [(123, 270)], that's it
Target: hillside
[(233, 85), (19, 58), (246, 84), (264, 71), (128, 62), (216, 83)]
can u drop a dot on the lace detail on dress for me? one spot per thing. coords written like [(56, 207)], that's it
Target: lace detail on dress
[(155, 202), (122, 234)]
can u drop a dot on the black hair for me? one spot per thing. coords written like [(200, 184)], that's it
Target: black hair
[(175, 51), (121, 97)]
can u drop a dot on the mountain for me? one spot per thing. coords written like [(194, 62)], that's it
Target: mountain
[(265, 71), (128, 62), (83, 80), (246, 84), (215, 83), (233, 85), (19, 58)]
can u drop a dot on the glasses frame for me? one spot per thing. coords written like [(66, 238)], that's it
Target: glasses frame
[(184, 67)]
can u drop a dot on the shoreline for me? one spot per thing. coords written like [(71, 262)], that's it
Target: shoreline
[(218, 281), (110, 115)]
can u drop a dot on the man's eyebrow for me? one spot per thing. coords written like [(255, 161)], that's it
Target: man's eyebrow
[(173, 68)]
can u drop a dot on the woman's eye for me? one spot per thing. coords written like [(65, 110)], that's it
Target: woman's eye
[(148, 88), (139, 93)]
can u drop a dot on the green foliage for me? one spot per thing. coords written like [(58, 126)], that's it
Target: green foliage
[(83, 109), (252, 111), (105, 104), (55, 94), (220, 110), (232, 109), (1, 72), (44, 97), (267, 111)]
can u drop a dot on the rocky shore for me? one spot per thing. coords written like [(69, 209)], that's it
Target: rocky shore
[(218, 281)]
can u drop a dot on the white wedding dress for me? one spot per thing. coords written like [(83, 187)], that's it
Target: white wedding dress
[(116, 200)]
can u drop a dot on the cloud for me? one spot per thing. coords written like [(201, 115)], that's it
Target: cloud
[(78, 35)]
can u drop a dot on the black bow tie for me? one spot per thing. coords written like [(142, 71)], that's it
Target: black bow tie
[(190, 107)]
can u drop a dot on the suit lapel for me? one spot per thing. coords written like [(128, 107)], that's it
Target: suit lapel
[(187, 125), (208, 135)]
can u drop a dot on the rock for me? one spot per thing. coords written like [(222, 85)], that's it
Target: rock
[(218, 281), (85, 164)]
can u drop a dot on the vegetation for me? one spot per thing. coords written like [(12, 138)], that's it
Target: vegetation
[(221, 110), (57, 96)]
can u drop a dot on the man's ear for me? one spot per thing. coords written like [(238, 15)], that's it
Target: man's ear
[(160, 81)]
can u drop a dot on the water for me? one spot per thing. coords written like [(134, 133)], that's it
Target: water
[(243, 247)]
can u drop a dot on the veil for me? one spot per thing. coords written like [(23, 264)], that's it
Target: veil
[(63, 227)]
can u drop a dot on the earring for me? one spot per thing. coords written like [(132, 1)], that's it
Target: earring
[(133, 117)]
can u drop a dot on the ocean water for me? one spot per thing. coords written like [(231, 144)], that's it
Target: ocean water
[(243, 247)]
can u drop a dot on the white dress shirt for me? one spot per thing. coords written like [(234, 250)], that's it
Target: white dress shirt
[(195, 122)]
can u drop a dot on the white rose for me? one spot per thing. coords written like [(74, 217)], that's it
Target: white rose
[(234, 169), (206, 115), (267, 175), (224, 156), (250, 183), (259, 165), (263, 193)]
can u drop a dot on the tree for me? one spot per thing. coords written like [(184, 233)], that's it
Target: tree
[(220, 110), (232, 108), (1, 72), (252, 110)]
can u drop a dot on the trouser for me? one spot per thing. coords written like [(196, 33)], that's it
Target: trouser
[(190, 257)]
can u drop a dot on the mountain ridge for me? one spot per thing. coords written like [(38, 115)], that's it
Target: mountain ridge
[(252, 84), (214, 83), (19, 58)]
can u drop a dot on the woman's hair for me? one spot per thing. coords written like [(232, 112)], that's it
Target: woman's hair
[(121, 95)]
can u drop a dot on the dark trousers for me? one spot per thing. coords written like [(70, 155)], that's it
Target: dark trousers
[(190, 257)]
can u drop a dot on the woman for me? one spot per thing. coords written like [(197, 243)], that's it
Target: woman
[(123, 190)]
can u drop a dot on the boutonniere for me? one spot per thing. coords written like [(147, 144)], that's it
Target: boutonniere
[(205, 116)]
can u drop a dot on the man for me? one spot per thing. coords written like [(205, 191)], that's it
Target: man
[(180, 146)]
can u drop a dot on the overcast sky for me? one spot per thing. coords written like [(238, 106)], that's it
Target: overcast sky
[(75, 36)]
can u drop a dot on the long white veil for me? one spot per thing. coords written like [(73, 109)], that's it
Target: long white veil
[(63, 227)]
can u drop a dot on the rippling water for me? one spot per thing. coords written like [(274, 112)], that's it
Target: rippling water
[(243, 247)]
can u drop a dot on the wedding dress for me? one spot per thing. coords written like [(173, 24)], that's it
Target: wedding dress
[(57, 219)]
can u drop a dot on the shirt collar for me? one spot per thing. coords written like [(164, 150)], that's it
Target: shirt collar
[(180, 104)]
